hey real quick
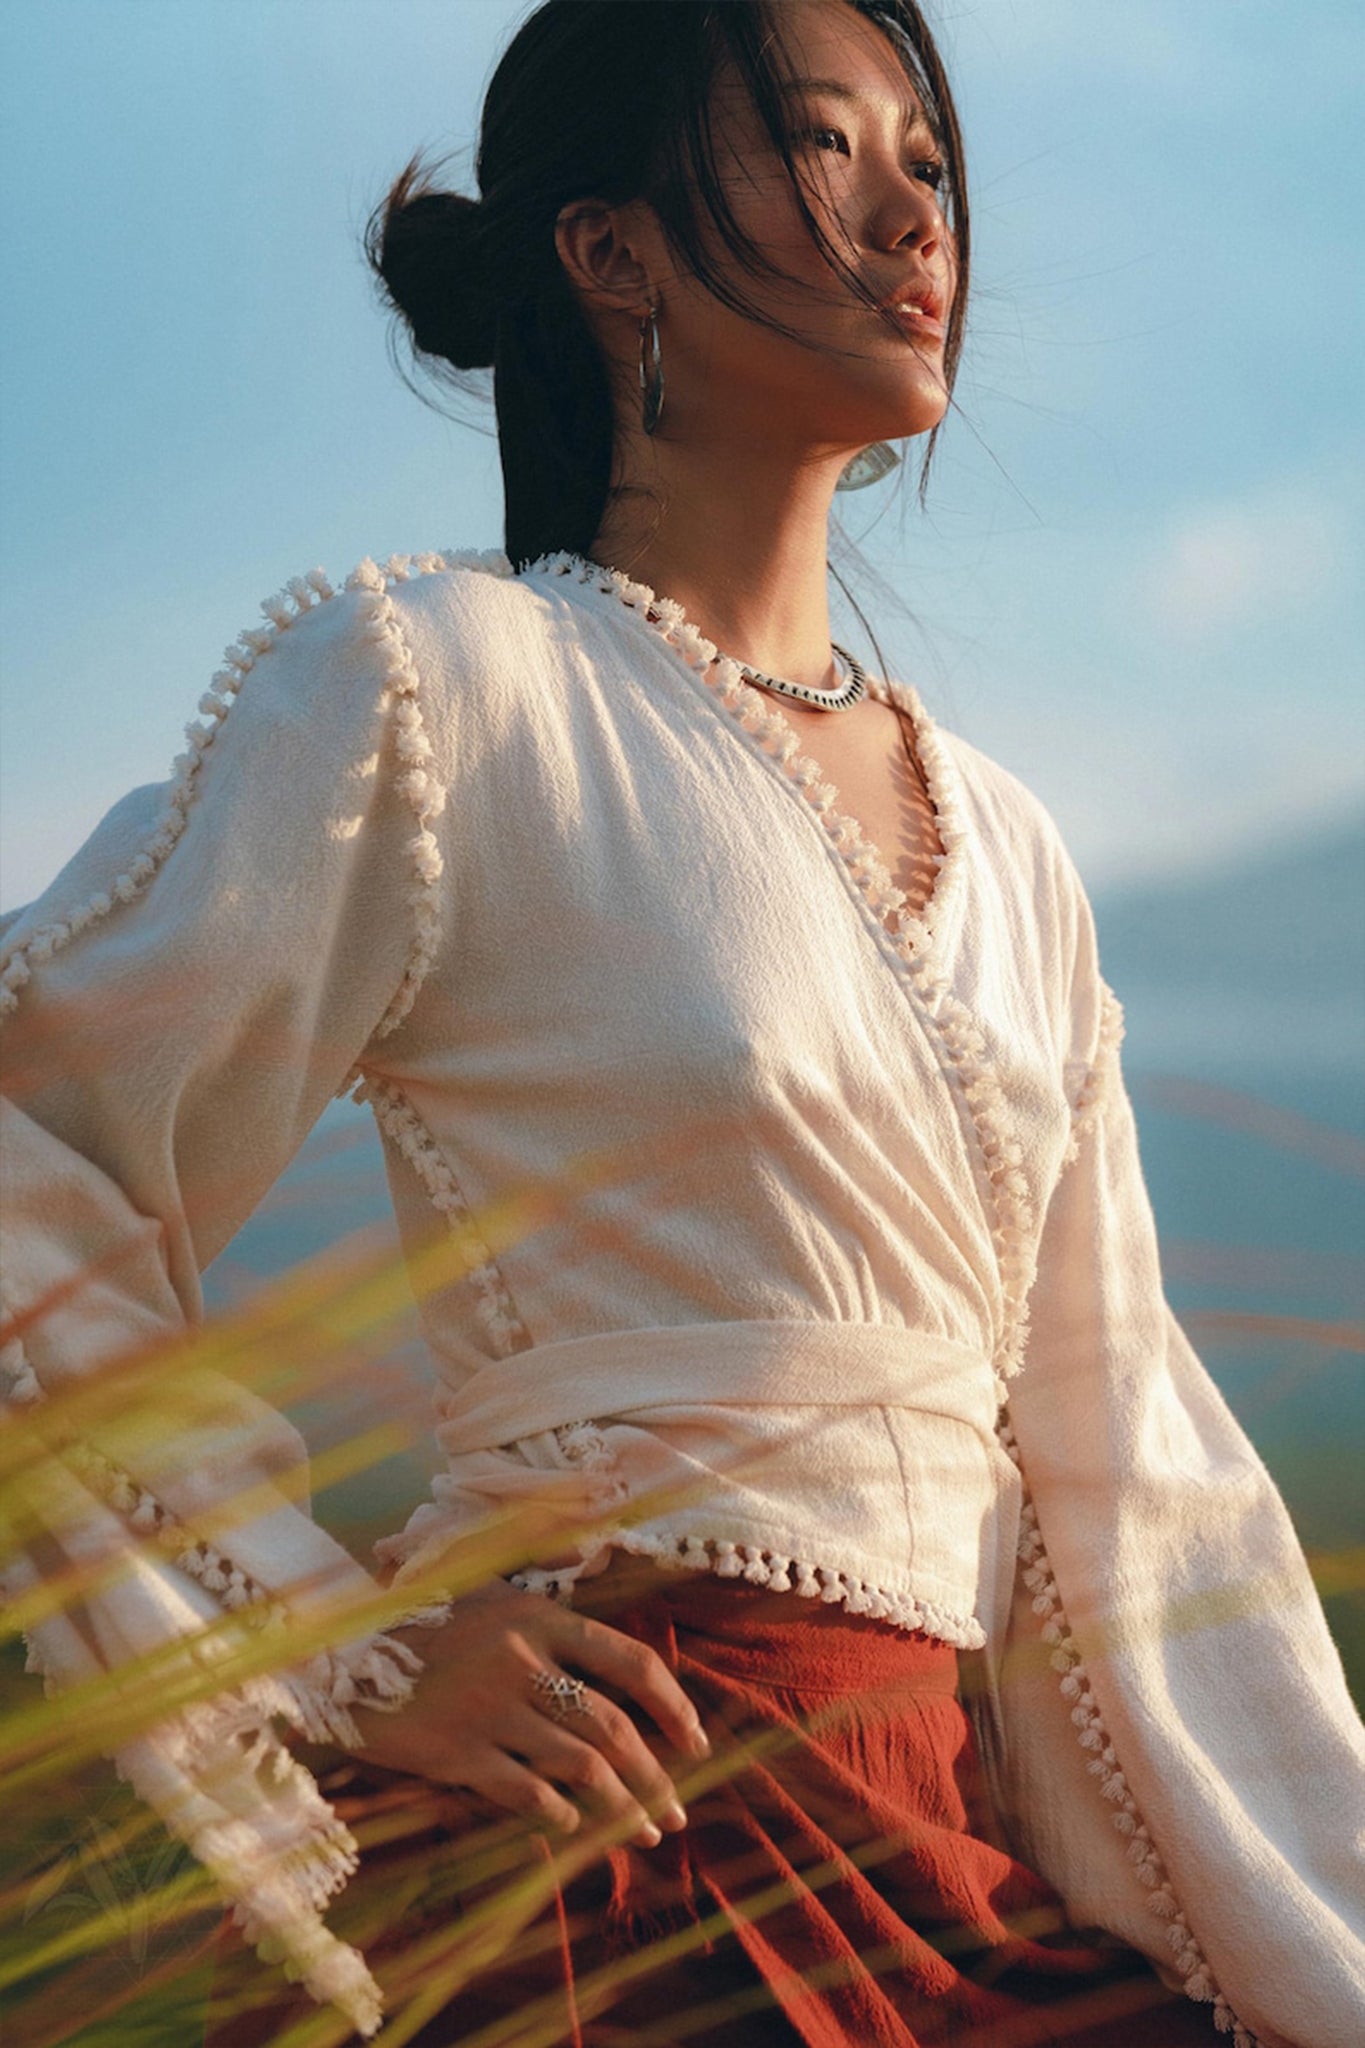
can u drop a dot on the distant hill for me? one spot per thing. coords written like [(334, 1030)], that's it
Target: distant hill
[(1257, 968)]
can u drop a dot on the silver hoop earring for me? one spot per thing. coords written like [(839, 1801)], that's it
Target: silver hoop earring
[(651, 370), (869, 467)]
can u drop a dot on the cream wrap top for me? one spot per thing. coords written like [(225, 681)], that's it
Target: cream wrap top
[(800, 1192)]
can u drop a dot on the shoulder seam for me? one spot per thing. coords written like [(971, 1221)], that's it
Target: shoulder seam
[(1101, 1076), (300, 595), (420, 789)]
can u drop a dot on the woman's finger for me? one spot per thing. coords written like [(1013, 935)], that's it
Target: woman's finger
[(615, 1737), (633, 1668), (511, 1785), (561, 1753)]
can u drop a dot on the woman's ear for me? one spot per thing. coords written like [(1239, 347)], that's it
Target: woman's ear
[(610, 253)]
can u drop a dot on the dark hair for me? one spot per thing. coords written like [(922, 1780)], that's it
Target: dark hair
[(609, 100)]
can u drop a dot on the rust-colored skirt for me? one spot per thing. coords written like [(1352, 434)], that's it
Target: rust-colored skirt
[(838, 1884)]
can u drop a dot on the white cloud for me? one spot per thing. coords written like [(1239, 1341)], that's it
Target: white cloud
[(1141, 796), (1225, 567)]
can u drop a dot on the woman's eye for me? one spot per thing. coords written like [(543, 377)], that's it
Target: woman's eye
[(931, 172), (827, 139)]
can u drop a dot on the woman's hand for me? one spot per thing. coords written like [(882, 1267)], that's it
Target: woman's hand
[(473, 1720)]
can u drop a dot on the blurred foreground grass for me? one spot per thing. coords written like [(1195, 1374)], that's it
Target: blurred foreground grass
[(105, 1922)]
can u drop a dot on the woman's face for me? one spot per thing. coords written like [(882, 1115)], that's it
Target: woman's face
[(871, 169)]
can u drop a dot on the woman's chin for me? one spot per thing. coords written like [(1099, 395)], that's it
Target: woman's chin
[(927, 405), (909, 424), (916, 407)]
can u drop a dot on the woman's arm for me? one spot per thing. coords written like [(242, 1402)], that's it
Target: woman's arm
[(1181, 1753), (182, 1004), (185, 1000)]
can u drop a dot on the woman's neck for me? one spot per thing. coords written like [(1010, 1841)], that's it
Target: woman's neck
[(741, 545)]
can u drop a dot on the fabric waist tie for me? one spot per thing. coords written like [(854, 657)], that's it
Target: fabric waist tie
[(624, 1374)]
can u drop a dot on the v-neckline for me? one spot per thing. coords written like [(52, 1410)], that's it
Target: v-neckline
[(918, 949), (919, 937)]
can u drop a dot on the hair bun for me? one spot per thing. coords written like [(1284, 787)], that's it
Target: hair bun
[(431, 251)]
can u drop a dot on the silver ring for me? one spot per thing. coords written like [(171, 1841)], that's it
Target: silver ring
[(563, 1696)]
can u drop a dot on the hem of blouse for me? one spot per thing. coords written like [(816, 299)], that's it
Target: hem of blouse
[(1149, 1870), (205, 1767), (757, 1565), (911, 948), (278, 1878)]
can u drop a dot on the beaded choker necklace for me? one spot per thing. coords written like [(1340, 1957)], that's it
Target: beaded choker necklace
[(839, 699)]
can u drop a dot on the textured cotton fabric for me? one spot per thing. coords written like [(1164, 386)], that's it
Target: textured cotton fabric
[(806, 1187)]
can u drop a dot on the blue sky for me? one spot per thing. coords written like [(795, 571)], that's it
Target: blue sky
[(1139, 580)]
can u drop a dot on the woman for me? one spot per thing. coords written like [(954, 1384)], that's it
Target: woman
[(835, 1345)]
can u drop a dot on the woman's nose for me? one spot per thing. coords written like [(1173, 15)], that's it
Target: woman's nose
[(909, 216)]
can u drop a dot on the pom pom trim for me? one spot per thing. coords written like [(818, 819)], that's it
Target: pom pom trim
[(376, 1673), (1101, 1076), (759, 1566), (400, 1124), (1104, 1766)]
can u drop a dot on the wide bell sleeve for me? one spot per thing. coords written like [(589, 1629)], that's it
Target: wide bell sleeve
[(178, 1009), (1175, 1747)]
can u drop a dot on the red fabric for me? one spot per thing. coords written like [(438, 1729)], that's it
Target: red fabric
[(839, 1889)]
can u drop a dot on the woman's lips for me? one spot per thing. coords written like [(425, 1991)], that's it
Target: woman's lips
[(921, 322)]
